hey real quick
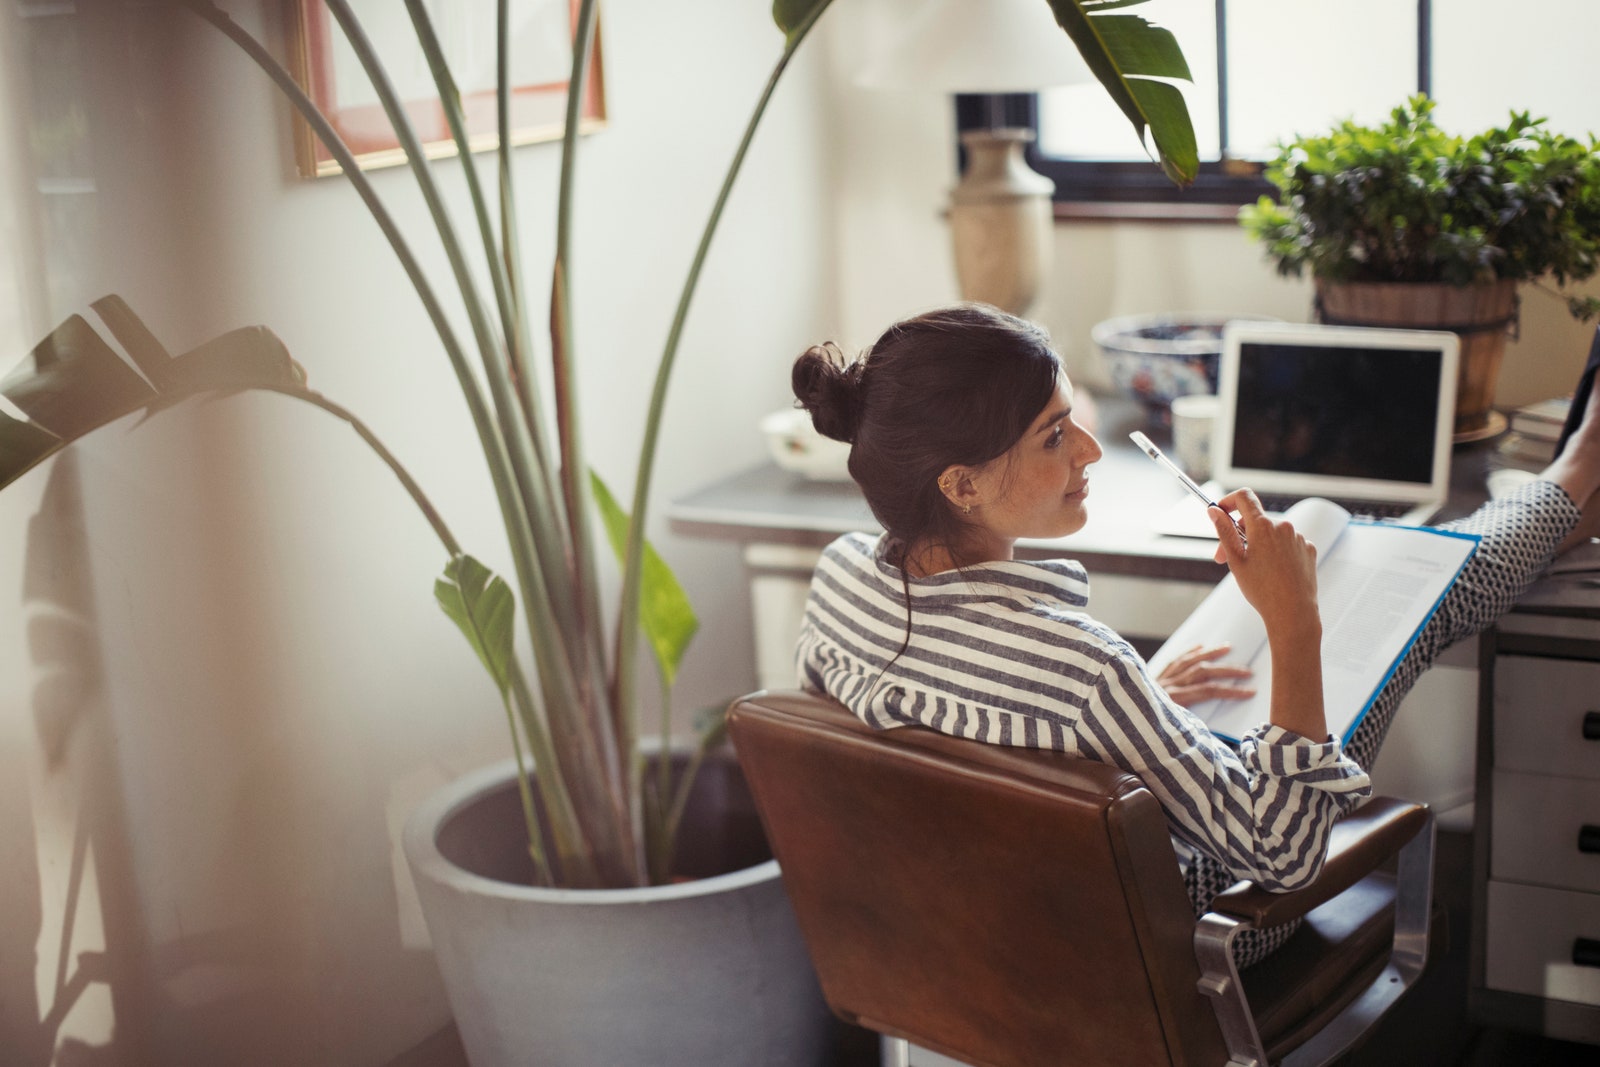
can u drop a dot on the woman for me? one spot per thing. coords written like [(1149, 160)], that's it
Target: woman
[(963, 441)]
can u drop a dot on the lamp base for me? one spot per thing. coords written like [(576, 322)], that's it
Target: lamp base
[(1000, 221)]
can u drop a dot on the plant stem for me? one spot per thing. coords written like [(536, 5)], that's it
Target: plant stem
[(574, 469), (565, 668), (492, 446), (553, 666), (515, 336), (509, 245), (610, 724), (664, 783), (625, 661), (529, 817), (578, 865), (570, 845), (418, 497)]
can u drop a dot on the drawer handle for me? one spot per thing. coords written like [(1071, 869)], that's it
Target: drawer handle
[(1586, 952), (1591, 726), (1589, 838)]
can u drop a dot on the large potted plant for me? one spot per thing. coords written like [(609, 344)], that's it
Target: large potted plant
[(1402, 224), (572, 922)]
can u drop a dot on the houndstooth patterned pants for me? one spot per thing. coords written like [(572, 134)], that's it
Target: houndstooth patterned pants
[(1520, 534)]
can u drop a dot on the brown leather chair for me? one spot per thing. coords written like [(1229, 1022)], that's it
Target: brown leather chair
[(1009, 907)]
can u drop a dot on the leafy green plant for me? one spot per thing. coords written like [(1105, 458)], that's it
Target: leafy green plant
[(595, 817), (1407, 202)]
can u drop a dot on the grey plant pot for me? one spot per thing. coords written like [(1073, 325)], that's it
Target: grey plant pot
[(699, 974)]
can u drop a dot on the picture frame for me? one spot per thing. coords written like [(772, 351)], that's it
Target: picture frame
[(325, 66)]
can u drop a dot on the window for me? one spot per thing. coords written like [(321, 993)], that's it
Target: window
[(1265, 70)]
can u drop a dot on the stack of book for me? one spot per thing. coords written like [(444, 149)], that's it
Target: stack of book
[(1534, 430)]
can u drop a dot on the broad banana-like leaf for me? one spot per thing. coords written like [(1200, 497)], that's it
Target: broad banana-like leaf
[(149, 354), (665, 613), (481, 604), (1126, 52), (73, 382)]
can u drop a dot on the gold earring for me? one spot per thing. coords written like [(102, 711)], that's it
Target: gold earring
[(967, 510)]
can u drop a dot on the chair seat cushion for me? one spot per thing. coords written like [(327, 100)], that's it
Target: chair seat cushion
[(1338, 950)]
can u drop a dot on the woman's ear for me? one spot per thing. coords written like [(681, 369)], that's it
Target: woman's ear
[(959, 486)]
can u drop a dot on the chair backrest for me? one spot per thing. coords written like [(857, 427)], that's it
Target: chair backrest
[(1004, 906)]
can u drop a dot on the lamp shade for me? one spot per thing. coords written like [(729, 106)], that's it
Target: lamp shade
[(979, 46)]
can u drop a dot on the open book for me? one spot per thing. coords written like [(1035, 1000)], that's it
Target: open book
[(1377, 586)]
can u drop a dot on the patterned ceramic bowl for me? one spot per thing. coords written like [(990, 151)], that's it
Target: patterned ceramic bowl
[(1155, 358)]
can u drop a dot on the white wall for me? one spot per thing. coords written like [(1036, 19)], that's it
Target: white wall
[(224, 681)]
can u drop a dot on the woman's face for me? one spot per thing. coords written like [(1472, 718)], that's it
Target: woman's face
[(1040, 487)]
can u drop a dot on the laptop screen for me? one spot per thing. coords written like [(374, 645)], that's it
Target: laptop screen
[(1338, 410)]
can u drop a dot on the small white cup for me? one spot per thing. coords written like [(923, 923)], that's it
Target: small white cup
[(1193, 416)]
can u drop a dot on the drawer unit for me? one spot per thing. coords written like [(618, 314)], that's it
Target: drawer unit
[(1547, 831), (1544, 943), (1536, 906), (1547, 716)]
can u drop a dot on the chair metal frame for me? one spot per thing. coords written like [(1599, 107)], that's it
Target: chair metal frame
[(1216, 932)]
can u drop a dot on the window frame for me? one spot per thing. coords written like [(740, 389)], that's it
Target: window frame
[(1228, 182)]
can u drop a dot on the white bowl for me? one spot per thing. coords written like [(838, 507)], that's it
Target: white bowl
[(796, 446)]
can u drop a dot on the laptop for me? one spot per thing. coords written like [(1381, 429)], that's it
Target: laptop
[(1363, 417)]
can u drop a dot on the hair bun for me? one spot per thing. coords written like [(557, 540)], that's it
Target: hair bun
[(830, 389)]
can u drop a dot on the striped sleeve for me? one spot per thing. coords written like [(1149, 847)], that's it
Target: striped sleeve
[(1263, 812)]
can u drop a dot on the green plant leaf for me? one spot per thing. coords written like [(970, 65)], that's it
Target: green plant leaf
[(22, 447), (665, 614), (1406, 201), (1125, 52), (149, 354), (481, 605), (70, 384), (248, 358), (790, 15), (73, 382)]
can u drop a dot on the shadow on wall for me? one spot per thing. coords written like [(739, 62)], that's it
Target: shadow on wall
[(152, 918), (74, 931)]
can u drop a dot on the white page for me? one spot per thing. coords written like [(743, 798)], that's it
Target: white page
[(1225, 615), (1376, 586)]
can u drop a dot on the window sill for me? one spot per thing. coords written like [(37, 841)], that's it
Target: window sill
[(1114, 211)]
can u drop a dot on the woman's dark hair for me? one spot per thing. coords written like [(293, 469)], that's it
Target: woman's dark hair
[(959, 385)]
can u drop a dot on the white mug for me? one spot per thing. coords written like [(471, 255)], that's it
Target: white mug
[(1193, 416)]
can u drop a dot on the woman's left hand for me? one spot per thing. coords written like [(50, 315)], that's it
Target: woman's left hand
[(1194, 677)]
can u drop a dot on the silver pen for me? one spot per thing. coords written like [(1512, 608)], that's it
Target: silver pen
[(1148, 447)]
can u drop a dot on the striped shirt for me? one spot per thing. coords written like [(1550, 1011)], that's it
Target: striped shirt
[(1002, 652)]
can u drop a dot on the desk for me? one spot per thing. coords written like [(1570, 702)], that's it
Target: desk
[(1142, 584)]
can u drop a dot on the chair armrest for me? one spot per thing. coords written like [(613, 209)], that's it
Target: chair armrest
[(1359, 844)]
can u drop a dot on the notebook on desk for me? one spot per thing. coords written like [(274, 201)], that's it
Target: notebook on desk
[(1362, 417)]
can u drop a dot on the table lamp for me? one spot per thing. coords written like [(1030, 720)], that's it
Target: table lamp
[(1000, 213)]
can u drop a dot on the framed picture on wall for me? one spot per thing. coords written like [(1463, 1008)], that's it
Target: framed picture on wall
[(326, 66)]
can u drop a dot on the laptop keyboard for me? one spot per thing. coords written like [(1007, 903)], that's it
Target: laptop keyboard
[(1361, 509)]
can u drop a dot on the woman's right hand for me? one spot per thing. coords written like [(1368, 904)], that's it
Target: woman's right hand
[(1276, 571)]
